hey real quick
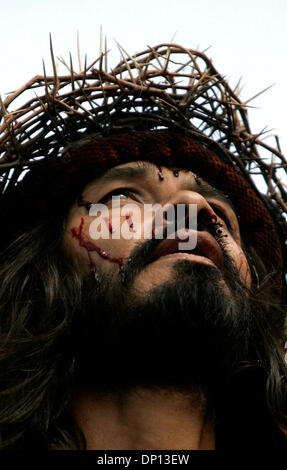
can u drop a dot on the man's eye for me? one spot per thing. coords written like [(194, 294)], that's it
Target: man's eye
[(221, 215), (120, 193)]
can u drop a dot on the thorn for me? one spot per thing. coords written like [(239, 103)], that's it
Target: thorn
[(258, 94), (79, 52)]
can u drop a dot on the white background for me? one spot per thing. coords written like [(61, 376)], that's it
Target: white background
[(247, 38)]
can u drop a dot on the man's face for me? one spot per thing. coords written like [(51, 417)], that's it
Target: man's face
[(175, 312), (127, 191)]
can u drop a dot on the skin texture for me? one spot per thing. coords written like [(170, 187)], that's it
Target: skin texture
[(154, 418), (145, 419), (148, 189)]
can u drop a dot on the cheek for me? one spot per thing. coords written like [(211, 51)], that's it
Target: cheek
[(240, 262), (98, 242)]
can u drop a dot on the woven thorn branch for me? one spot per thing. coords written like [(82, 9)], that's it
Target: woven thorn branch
[(161, 86)]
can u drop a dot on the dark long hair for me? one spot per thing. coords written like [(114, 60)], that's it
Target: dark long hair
[(39, 293)]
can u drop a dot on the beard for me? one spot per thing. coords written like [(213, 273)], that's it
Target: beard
[(194, 330)]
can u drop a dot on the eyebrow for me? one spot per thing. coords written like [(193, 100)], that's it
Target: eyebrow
[(145, 169), (207, 190), (129, 172)]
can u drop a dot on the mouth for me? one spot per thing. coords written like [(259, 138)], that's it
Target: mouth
[(206, 251)]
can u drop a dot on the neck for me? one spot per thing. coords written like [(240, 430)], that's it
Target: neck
[(144, 419)]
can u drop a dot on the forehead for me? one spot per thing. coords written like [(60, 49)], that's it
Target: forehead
[(141, 171)]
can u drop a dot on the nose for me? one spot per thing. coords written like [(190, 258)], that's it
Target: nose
[(187, 205)]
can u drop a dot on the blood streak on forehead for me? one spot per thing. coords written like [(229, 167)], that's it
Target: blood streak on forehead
[(138, 170)]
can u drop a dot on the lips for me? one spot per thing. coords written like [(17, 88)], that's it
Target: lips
[(206, 247)]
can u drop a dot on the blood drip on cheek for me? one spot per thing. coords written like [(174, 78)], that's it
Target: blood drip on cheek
[(248, 272), (109, 224), (129, 221), (243, 260), (91, 246)]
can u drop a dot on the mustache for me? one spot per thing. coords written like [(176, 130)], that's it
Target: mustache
[(139, 259), (144, 252)]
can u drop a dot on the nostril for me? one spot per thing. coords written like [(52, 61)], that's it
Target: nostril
[(182, 214)]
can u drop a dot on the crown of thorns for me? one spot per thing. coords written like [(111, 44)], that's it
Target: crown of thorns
[(166, 86)]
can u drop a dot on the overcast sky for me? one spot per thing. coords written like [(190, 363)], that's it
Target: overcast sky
[(247, 38)]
